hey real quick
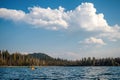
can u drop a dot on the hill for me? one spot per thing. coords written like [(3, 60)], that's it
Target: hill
[(41, 56)]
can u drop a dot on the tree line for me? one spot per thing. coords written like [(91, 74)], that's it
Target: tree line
[(41, 59)]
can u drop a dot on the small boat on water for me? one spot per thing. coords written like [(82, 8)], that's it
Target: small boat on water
[(32, 67)]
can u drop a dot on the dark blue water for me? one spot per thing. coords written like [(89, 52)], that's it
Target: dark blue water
[(60, 73)]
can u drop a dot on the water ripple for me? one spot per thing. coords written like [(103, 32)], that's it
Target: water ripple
[(60, 73)]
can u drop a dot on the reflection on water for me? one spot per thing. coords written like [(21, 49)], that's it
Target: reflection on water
[(60, 73)]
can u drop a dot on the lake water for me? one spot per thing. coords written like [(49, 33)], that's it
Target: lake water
[(60, 73)]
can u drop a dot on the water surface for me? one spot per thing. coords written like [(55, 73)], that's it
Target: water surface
[(60, 73)]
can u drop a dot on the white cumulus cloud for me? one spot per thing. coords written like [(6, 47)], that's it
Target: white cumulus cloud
[(114, 35), (93, 40), (47, 18), (83, 17), (11, 14), (38, 17)]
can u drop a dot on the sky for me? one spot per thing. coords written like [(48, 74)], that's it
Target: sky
[(68, 29)]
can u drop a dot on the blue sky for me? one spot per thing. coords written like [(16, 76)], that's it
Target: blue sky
[(61, 28)]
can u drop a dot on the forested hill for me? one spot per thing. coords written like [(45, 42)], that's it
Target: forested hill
[(41, 59), (41, 56)]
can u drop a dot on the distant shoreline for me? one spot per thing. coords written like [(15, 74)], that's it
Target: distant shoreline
[(57, 66), (42, 59)]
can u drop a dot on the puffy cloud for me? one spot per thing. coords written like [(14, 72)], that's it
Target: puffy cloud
[(114, 35), (84, 16), (38, 17), (93, 40), (11, 14), (47, 18)]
